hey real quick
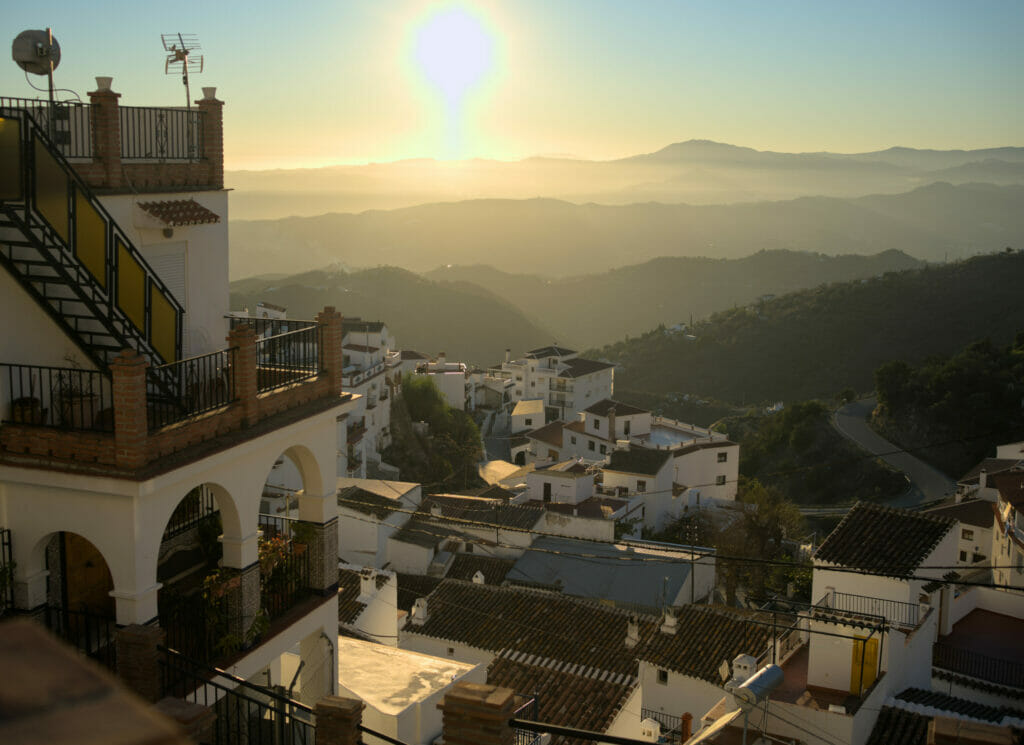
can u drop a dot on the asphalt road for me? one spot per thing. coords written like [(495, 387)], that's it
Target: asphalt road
[(927, 483)]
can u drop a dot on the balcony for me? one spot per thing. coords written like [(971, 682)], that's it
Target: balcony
[(51, 415), (353, 376), (554, 385)]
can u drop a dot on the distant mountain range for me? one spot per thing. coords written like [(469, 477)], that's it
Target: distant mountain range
[(816, 342), (696, 172), (557, 238), (463, 320), (598, 309)]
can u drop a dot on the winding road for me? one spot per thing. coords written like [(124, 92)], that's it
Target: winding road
[(926, 482)]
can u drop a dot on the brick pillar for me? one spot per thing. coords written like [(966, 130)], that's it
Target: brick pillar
[(131, 423), (138, 661), (338, 720), (213, 139), (685, 726), (244, 338), (332, 355), (106, 137), (322, 547), (476, 714)]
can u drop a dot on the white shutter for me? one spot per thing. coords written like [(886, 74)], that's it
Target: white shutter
[(169, 264)]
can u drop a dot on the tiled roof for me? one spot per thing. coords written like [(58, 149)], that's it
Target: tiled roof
[(549, 352), (899, 727), (579, 367), (1011, 487), (349, 607), (175, 212), (359, 499), (962, 706), (873, 537), (639, 460), (464, 566), (478, 509), (548, 625), (549, 433), (991, 466), (567, 695), (570, 467), (359, 348), (596, 507), (412, 586), (601, 408), (977, 512)]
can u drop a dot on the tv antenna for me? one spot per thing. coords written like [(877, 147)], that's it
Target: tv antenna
[(37, 52), (179, 48)]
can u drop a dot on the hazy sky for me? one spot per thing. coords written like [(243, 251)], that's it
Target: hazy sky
[(319, 82)]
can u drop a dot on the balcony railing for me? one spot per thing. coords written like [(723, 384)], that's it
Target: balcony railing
[(288, 358), (90, 633), (197, 385), (6, 572), (976, 665), (266, 327), (161, 133), (671, 727), (63, 397), (197, 506), (893, 611), (560, 387)]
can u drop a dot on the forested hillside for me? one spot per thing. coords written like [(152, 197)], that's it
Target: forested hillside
[(813, 343)]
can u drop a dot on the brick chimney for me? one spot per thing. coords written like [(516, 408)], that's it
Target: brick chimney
[(685, 726)]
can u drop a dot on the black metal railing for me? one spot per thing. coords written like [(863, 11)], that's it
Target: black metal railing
[(198, 505), (180, 390), (277, 526), (64, 397), (285, 580), (161, 133), (288, 358), (976, 665), (6, 572), (191, 629), (529, 708), (90, 633), (572, 733), (671, 727), (893, 611), (266, 327), (68, 123), (245, 712)]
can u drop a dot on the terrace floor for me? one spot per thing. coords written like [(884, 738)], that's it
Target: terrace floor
[(990, 634), (794, 688)]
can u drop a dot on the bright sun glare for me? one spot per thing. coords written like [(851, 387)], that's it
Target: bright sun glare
[(455, 53)]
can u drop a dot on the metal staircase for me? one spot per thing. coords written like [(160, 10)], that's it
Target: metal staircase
[(73, 259)]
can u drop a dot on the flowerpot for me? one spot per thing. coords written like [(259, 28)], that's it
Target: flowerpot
[(27, 411), (78, 410)]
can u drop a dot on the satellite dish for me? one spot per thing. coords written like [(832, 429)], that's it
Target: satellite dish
[(36, 51)]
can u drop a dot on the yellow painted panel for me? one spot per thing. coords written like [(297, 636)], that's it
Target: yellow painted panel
[(10, 159), (163, 333), (51, 189), (131, 287), (864, 658), (91, 239)]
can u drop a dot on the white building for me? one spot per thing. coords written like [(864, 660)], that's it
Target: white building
[(130, 469), (451, 379), (366, 346)]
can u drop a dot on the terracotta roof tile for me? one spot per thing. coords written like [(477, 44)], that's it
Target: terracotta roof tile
[(963, 706), (349, 607), (601, 408), (579, 367), (899, 727), (874, 537), (175, 212), (977, 512), (547, 625), (413, 586), (549, 433), (991, 466), (638, 460), (494, 569)]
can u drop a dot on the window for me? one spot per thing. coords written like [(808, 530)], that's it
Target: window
[(572, 439), (603, 450), (641, 485), (963, 556), (533, 383), (720, 480), (451, 651), (547, 491), (723, 457), (967, 534), (528, 422), (590, 444), (663, 677), (519, 378), (597, 423)]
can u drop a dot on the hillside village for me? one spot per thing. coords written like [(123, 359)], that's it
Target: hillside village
[(201, 500)]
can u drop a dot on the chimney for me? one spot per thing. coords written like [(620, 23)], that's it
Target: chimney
[(419, 612), (633, 631), (983, 478), (435, 510), (670, 624), (478, 578), (440, 359), (685, 726), (508, 355), (367, 583), (611, 423)]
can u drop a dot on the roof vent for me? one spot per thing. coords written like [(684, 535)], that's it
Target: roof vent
[(670, 624), (478, 578), (419, 612)]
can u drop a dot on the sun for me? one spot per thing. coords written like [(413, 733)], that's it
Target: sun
[(454, 52)]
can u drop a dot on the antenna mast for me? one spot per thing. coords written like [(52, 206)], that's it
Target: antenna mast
[(179, 48)]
